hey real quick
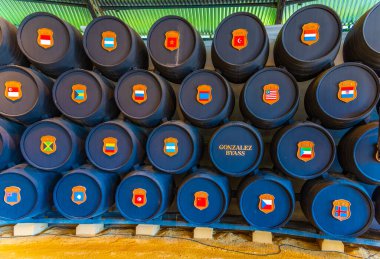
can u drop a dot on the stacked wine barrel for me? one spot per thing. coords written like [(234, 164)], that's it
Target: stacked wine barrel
[(86, 124)]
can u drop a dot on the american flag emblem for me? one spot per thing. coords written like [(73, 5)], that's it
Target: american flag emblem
[(271, 93)]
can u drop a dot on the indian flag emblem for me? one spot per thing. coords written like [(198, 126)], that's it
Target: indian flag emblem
[(305, 150), (110, 146), (45, 38), (310, 33), (170, 146)]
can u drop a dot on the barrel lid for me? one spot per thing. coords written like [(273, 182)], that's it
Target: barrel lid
[(107, 41), (329, 203), (78, 93), (109, 146), (266, 203), (271, 94), (171, 41), (305, 150), (348, 91), (236, 149), (21, 91), (43, 38), (127, 192), (46, 144), (77, 195), (204, 94), (197, 210), (371, 30), (149, 88), (240, 38), (311, 33), (20, 195)]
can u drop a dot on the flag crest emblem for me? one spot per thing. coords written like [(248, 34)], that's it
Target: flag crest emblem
[(78, 194), (79, 93), (109, 40), (341, 209), (266, 203), (310, 33), (239, 39), (45, 38), (12, 195), (13, 90), (139, 197), (48, 145), (204, 95), (139, 93), (201, 200), (271, 93), (347, 91), (171, 146), (172, 40), (305, 150), (110, 146)]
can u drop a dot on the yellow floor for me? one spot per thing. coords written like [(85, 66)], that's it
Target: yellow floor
[(120, 242)]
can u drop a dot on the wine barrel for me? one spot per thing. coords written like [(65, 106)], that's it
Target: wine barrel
[(85, 192), (176, 48), (10, 135), (85, 97), (51, 44), (270, 98), (206, 99), (203, 197), (144, 194), (145, 98), (303, 150), (27, 95), (309, 41), (240, 46), (114, 47), (27, 192)]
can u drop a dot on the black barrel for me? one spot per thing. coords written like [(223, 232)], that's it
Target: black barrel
[(27, 95), (270, 98), (240, 46), (51, 44), (176, 48), (206, 99), (145, 98), (114, 47), (362, 42), (343, 96), (9, 50), (85, 97), (10, 135), (309, 41)]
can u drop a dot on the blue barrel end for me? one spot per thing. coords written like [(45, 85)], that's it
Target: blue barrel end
[(174, 147), (144, 194), (10, 135), (85, 192), (115, 146), (27, 192), (266, 200), (203, 197)]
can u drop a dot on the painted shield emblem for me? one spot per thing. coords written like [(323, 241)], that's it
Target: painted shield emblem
[(341, 209), (204, 95), (266, 203), (109, 41), (347, 91), (310, 33), (110, 146), (201, 200), (13, 90), (12, 195), (271, 93), (305, 150), (139, 197), (45, 38), (239, 39), (79, 93), (171, 146), (78, 194), (139, 93), (48, 145), (172, 40)]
